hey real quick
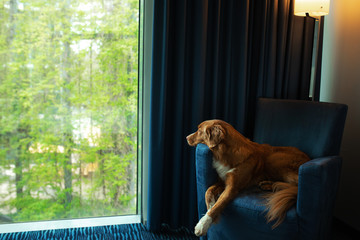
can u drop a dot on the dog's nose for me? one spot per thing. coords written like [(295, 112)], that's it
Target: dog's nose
[(190, 135)]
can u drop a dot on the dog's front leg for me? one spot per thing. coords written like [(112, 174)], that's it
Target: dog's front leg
[(213, 193), (234, 182), (213, 213)]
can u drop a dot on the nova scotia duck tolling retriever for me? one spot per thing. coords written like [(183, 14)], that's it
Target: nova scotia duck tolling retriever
[(240, 164)]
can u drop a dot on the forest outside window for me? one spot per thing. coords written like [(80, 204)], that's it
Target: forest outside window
[(68, 109)]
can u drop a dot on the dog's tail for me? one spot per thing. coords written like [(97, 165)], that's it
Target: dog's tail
[(278, 202)]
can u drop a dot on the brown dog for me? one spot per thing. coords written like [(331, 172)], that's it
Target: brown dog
[(241, 163)]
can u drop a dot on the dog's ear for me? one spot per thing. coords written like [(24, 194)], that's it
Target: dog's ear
[(216, 135)]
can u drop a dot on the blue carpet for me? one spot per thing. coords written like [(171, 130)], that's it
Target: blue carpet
[(128, 232)]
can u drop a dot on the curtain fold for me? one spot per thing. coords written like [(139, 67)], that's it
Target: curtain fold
[(213, 59)]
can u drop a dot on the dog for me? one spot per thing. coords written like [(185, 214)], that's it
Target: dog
[(242, 163)]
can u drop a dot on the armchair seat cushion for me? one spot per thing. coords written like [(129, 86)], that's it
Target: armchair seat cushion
[(250, 203), (247, 212)]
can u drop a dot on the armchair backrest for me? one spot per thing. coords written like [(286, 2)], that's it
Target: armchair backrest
[(314, 127)]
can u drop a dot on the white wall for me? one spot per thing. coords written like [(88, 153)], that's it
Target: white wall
[(340, 83)]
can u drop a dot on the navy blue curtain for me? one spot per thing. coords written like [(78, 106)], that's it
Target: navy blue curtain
[(213, 59)]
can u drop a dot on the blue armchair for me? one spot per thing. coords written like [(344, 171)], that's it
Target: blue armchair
[(315, 128)]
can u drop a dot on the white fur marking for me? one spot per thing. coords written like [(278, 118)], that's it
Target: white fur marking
[(203, 225), (221, 169)]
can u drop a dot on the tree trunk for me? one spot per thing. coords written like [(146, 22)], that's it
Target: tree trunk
[(65, 103), (18, 161), (67, 125)]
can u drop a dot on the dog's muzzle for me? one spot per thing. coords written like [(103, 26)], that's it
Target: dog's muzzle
[(190, 139)]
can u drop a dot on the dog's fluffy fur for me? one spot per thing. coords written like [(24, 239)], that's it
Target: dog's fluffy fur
[(242, 163)]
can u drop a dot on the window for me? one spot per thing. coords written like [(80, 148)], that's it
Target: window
[(69, 104)]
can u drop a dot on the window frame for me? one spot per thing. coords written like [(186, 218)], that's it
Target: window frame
[(146, 94)]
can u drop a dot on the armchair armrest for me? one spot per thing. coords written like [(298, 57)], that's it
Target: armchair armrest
[(318, 184), (205, 175)]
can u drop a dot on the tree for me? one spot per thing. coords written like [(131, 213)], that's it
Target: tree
[(68, 92)]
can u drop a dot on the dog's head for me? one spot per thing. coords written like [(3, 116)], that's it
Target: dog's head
[(210, 133)]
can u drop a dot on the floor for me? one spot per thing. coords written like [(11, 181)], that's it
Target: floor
[(340, 231)]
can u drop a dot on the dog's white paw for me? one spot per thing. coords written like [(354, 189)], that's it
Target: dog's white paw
[(203, 225)]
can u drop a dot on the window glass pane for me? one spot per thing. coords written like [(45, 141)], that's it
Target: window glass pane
[(68, 108)]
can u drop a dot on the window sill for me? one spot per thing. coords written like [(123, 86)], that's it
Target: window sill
[(73, 223)]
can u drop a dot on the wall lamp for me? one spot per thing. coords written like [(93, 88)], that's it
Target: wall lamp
[(316, 9)]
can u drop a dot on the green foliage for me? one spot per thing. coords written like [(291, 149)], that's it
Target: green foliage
[(68, 108)]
